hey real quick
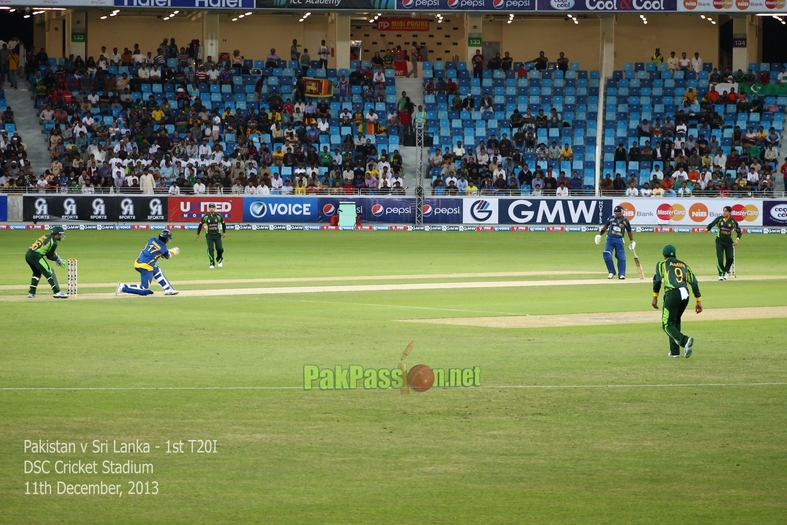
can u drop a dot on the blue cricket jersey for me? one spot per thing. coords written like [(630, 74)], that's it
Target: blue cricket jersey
[(616, 228), (154, 250)]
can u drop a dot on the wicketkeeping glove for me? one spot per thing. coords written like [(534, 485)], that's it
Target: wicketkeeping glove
[(632, 246), (61, 262), (598, 239)]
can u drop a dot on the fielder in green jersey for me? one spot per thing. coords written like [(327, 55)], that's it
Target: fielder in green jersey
[(677, 277), (215, 231), (41, 250), (725, 226)]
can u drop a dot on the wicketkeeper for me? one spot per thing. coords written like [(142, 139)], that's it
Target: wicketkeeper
[(41, 250), (212, 222)]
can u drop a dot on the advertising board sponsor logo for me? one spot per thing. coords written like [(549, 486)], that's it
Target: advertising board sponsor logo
[(745, 212), (552, 211)]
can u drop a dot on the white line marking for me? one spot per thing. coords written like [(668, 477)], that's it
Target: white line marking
[(405, 306), (339, 278), (230, 388)]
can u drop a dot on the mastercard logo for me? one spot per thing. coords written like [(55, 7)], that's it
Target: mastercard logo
[(690, 4), (742, 4), (748, 212), (722, 4), (698, 212), (629, 211), (775, 4), (671, 212)]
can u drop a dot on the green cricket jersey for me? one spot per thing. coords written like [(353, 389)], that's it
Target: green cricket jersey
[(45, 246), (212, 223), (724, 229), (674, 274)]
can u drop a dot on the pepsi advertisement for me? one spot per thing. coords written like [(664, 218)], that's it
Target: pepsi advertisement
[(392, 210), (553, 211), (466, 5), (280, 210), (608, 5), (3, 207), (443, 211)]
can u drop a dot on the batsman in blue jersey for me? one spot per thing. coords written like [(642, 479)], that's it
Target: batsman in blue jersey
[(617, 226), (155, 249)]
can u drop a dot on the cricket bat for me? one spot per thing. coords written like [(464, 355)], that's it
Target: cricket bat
[(639, 265)]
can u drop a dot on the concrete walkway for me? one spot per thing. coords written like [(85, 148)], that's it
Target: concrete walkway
[(28, 126)]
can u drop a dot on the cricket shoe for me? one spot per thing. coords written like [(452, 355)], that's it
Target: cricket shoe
[(60, 295), (722, 277), (673, 355), (171, 292), (31, 296), (119, 288), (610, 276), (622, 277), (221, 264), (687, 349), (210, 267)]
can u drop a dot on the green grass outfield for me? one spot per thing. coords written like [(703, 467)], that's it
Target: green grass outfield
[(571, 424)]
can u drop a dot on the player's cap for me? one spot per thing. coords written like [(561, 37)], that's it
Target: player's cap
[(618, 209), (58, 229), (212, 205), (668, 250)]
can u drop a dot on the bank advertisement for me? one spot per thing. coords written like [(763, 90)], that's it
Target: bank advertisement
[(690, 213)]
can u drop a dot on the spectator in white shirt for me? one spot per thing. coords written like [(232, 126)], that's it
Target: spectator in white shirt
[(276, 182), (199, 187), (562, 191), (646, 191), (632, 190), (680, 175), (684, 62), (696, 63), (459, 150), (684, 190), (657, 172)]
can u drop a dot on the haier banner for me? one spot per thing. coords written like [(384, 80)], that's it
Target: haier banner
[(466, 5), (95, 208), (609, 5), (194, 4), (554, 211), (3, 208)]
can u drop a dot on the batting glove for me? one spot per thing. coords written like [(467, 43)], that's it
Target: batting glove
[(174, 251), (632, 246), (598, 239)]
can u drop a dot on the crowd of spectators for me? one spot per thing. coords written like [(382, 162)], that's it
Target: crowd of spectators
[(506, 63), (108, 134)]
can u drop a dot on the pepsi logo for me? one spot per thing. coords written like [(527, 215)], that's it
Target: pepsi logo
[(407, 4), (498, 4), (378, 210), (427, 210), (452, 4), (329, 209)]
